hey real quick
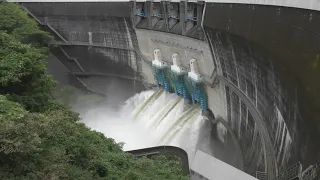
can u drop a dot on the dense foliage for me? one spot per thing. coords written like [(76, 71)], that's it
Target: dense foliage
[(43, 139), (23, 74)]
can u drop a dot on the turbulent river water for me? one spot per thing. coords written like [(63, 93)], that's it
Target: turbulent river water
[(153, 118)]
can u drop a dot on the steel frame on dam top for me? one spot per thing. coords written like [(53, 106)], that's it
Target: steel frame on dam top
[(184, 17)]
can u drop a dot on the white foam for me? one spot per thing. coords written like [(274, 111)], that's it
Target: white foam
[(156, 124)]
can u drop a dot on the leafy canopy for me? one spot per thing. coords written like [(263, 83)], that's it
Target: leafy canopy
[(23, 73), (14, 21), (52, 146)]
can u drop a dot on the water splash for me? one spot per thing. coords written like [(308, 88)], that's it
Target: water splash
[(181, 120), (154, 96), (149, 119)]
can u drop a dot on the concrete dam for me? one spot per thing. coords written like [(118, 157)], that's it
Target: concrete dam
[(252, 68)]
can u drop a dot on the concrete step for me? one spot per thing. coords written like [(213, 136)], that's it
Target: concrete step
[(67, 61), (72, 66)]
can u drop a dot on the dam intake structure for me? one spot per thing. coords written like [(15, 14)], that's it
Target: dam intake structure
[(189, 85)]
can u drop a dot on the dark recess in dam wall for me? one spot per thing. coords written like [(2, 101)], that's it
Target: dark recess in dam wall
[(100, 60), (117, 90), (107, 27)]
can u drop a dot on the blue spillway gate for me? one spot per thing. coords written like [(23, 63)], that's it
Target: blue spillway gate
[(183, 87), (179, 85), (199, 96), (161, 79)]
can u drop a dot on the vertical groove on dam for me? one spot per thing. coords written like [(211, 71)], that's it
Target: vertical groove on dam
[(253, 75)]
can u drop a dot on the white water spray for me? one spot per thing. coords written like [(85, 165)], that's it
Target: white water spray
[(151, 118)]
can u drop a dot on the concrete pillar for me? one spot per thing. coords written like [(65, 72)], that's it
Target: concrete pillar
[(157, 62), (90, 38), (148, 7), (164, 10), (173, 10), (157, 55), (194, 66), (183, 11), (176, 67), (191, 8), (194, 73), (175, 59), (138, 9), (133, 12), (156, 9), (200, 8)]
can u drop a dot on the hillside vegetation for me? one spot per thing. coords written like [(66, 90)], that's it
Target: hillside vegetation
[(41, 139)]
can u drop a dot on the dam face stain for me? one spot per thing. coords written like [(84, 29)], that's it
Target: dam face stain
[(288, 40)]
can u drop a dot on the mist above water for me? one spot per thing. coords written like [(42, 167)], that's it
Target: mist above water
[(152, 118)]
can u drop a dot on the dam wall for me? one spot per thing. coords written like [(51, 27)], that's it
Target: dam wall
[(93, 31), (289, 35), (259, 63), (77, 9), (101, 42), (282, 45), (251, 85)]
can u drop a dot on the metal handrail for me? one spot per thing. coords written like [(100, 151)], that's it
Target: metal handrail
[(192, 18), (141, 14), (72, 59), (44, 24), (157, 15), (174, 17)]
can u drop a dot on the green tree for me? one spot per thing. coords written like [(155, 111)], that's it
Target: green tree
[(23, 74), (51, 146), (15, 21)]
